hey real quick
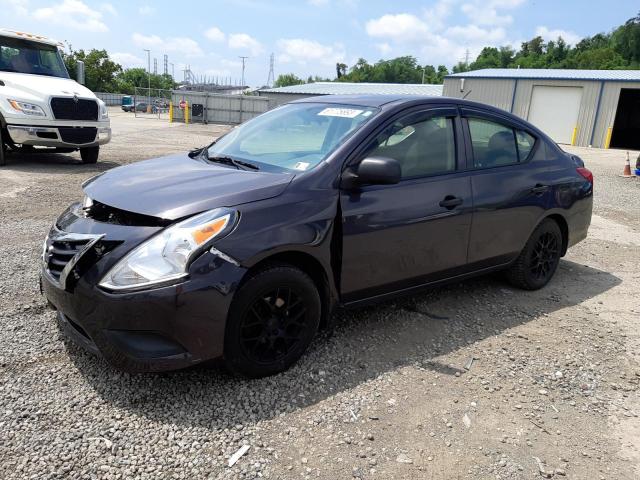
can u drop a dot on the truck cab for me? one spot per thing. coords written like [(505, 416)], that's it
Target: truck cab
[(40, 106)]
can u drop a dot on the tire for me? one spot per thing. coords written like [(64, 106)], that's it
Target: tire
[(272, 320), (538, 261), (3, 151), (89, 154)]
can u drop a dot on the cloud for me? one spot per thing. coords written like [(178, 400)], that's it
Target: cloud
[(431, 36), (303, 51), (109, 8), (74, 14), (18, 7), (243, 41), (147, 10), (384, 48), (570, 37), (215, 34), (127, 60), (183, 45), (486, 12), (399, 27)]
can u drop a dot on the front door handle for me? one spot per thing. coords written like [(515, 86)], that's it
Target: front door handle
[(539, 189), (451, 202)]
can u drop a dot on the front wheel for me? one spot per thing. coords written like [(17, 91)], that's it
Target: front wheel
[(89, 154), (539, 259), (271, 322)]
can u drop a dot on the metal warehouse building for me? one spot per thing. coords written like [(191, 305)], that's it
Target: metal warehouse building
[(599, 108), (278, 96)]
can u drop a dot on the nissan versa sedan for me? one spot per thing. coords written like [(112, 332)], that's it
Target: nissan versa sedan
[(241, 250)]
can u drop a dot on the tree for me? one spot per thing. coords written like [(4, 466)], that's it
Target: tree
[(128, 80), (100, 70), (287, 79), (341, 69)]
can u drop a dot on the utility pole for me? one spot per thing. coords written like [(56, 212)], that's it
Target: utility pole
[(166, 64), (148, 74), (243, 62), (155, 66)]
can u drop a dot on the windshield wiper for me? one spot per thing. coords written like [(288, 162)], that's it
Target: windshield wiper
[(233, 162)]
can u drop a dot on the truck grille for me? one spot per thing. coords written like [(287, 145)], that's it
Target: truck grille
[(78, 135), (65, 108)]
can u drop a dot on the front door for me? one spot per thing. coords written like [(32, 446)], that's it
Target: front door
[(417, 231)]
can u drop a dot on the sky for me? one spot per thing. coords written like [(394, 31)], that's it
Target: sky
[(306, 37)]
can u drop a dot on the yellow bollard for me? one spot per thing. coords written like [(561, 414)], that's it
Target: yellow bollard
[(607, 142), (574, 135), (170, 112), (186, 112)]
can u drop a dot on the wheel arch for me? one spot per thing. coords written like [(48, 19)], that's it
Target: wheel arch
[(309, 265), (564, 229)]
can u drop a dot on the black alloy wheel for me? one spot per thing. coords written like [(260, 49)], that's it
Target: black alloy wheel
[(538, 261), (544, 256), (273, 325), (272, 321)]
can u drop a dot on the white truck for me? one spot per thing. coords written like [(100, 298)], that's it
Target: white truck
[(40, 106)]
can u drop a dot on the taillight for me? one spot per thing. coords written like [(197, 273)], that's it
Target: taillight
[(586, 173)]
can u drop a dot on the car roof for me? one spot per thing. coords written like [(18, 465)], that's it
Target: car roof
[(396, 100)]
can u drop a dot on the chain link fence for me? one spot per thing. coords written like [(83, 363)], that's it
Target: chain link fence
[(150, 103)]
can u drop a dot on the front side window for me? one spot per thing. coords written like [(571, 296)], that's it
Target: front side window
[(297, 136), (23, 56), (425, 146)]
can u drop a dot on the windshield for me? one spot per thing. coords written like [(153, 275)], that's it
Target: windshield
[(297, 136), (23, 56)]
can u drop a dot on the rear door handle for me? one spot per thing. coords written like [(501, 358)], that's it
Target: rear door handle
[(539, 189), (451, 202)]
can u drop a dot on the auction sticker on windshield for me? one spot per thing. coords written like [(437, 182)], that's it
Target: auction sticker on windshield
[(340, 112)]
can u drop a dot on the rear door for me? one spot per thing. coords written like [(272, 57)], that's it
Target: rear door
[(417, 231), (511, 186)]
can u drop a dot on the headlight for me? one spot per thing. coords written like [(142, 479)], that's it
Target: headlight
[(165, 257), (27, 108), (104, 111)]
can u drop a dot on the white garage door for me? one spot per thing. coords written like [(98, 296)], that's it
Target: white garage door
[(554, 110)]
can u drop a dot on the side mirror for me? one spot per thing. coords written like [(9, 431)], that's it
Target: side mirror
[(373, 171)]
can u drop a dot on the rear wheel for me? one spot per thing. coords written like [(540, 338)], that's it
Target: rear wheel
[(539, 259), (271, 322), (89, 154)]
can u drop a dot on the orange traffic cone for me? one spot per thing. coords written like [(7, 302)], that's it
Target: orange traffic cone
[(627, 168)]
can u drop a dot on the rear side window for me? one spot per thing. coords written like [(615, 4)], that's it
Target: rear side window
[(494, 144), (525, 144)]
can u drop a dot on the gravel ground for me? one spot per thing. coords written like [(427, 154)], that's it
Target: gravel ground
[(476, 380)]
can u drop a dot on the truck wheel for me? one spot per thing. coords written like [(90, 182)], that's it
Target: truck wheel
[(271, 322), (89, 154)]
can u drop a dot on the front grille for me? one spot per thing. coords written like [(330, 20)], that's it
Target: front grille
[(78, 135), (65, 108), (60, 253)]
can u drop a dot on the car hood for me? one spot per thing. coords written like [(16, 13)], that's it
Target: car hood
[(40, 88), (177, 186)]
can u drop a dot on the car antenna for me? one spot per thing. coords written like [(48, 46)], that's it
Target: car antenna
[(467, 94)]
